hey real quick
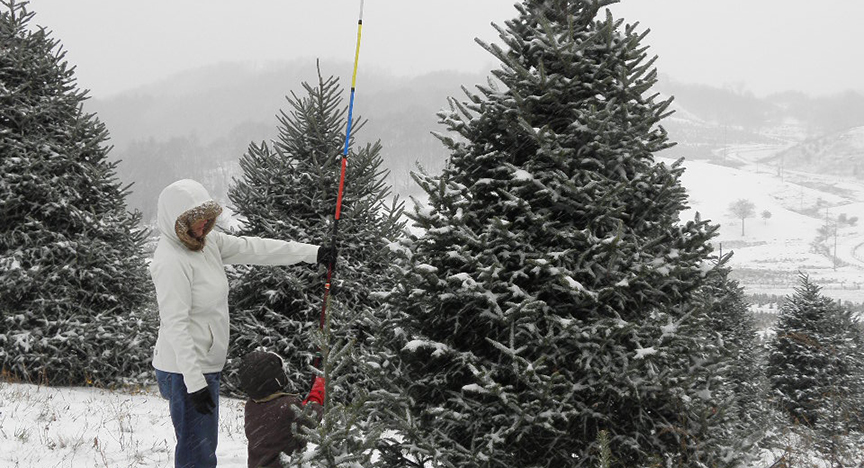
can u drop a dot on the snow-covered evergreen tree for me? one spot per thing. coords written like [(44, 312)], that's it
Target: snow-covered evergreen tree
[(839, 427), (73, 282), (350, 428), (289, 192), (815, 362), (740, 375), (554, 293)]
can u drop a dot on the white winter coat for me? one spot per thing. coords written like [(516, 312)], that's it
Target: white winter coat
[(192, 289)]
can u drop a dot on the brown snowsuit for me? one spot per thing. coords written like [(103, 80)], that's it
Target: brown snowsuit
[(271, 426), (273, 418)]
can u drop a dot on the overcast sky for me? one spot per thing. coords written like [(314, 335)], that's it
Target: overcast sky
[(762, 46)]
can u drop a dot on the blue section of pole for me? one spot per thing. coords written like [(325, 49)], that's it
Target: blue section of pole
[(350, 119)]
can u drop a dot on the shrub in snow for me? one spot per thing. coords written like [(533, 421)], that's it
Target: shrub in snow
[(73, 283), (553, 292)]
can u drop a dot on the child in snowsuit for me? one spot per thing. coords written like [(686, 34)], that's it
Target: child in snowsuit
[(270, 413)]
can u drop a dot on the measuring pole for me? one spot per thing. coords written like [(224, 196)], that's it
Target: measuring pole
[(330, 267)]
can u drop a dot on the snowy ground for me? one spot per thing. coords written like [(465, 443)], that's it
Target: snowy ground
[(89, 428)]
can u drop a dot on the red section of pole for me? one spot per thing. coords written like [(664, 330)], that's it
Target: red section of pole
[(341, 187)]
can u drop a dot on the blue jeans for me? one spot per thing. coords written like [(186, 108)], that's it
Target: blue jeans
[(197, 434)]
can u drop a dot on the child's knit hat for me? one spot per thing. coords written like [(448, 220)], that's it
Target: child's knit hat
[(261, 374)]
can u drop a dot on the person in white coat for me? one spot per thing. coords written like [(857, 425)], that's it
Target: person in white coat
[(192, 293)]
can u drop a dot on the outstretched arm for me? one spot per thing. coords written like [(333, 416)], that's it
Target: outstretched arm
[(259, 251)]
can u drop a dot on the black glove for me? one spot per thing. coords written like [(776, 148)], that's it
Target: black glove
[(202, 401), (327, 255)]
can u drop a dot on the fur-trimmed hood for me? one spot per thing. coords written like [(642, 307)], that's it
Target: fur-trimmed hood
[(180, 205)]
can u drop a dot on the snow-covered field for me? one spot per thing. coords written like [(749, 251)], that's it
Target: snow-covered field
[(43, 427), (768, 257)]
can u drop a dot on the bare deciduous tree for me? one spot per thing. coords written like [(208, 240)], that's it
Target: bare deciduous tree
[(742, 209)]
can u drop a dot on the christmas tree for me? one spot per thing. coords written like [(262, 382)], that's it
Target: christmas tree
[(289, 192), (73, 284), (350, 429), (738, 376), (553, 292), (814, 364)]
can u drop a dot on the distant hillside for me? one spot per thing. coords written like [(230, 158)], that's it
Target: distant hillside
[(821, 115), (708, 119), (839, 153), (207, 102), (200, 122)]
